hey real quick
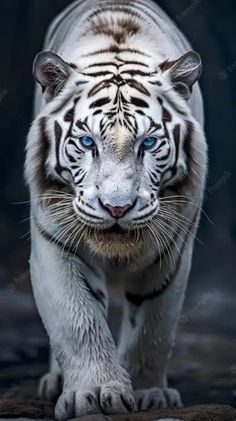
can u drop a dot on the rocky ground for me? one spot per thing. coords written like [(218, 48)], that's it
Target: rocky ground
[(35, 410)]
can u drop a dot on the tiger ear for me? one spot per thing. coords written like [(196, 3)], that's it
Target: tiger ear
[(185, 72), (51, 72)]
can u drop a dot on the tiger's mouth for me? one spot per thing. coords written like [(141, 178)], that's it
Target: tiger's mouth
[(115, 242), (116, 233), (115, 229)]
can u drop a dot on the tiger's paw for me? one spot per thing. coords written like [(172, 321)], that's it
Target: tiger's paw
[(49, 388), (147, 399), (110, 398)]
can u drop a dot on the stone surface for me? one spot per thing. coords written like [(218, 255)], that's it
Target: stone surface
[(195, 413), (35, 409), (25, 408)]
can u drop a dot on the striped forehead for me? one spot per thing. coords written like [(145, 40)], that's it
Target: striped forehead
[(122, 107)]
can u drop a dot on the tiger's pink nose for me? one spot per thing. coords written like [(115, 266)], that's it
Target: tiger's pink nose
[(117, 211)]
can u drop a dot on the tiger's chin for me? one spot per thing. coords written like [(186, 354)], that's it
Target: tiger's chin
[(115, 245)]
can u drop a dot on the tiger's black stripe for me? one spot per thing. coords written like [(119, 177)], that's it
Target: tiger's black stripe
[(138, 102), (127, 9), (44, 145), (117, 50), (138, 299), (96, 293), (100, 102)]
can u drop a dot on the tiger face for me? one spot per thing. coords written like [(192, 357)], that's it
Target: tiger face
[(114, 140)]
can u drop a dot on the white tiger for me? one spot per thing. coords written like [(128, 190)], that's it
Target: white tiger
[(116, 164)]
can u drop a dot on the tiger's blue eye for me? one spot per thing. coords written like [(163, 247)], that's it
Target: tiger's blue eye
[(149, 142), (86, 142)]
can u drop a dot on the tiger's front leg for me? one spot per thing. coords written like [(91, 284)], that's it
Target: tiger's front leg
[(73, 305), (153, 305)]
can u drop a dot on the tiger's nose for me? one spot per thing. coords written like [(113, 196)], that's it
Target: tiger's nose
[(117, 211)]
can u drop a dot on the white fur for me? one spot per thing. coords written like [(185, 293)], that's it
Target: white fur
[(96, 374)]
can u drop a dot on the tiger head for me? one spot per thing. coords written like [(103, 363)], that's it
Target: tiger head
[(111, 138)]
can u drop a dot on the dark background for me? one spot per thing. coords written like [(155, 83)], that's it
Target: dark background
[(205, 364)]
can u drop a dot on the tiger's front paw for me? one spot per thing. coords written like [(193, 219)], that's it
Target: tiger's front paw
[(147, 399), (111, 398)]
